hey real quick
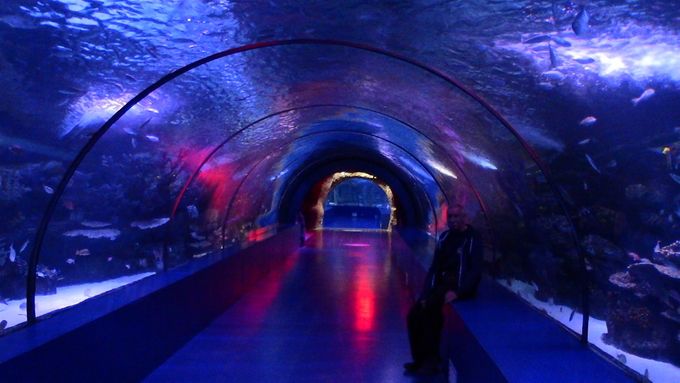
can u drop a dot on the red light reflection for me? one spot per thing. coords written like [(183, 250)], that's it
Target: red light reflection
[(357, 244), (216, 175), (364, 299), (257, 235)]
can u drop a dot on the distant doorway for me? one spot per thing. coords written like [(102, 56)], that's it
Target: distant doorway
[(357, 203)]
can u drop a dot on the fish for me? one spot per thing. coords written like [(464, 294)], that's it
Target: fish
[(621, 358), (546, 85), (110, 234), (31, 146), (24, 246), (16, 150), (3, 325), (580, 23), (129, 77), (127, 266), (537, 39), (109, 259), (566, 196), (71, 91), (12, 253), (153, 110), (585, 60), (133, 142), (612, 164), (193, 211), (634, 256), (583, 142), (133, 132), (196, 236), (588, 121), (585, 185), (592, 164), (95, 224), (152, 138), (150, 224), (48, 189), (675, 177), (571, 316), (83, 252), (560, 41), (554, 61), (70, 261), (648, 93), (201, 244), (554, 75), (129, 131), (145, 123)]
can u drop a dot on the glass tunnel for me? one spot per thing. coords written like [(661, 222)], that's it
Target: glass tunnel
[(138, 137)]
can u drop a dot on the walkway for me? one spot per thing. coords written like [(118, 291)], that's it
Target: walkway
[(336, 312)]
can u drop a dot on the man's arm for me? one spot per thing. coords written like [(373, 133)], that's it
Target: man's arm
[(472, 268), (431, 272)]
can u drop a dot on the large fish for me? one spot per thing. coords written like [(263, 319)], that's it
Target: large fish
[(648, 93), (111, 234), (12, 253), (580, 24), (560, 41), (537, 39), (592, 164), (32, 146), (675, 177), (150, 224), (588, 121), (95, 224), (554, 61)]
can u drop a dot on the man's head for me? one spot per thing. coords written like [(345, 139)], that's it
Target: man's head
[(456, 217)]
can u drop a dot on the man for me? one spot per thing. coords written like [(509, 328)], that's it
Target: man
[(454, 274)]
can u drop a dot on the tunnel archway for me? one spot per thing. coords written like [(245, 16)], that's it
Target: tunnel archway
[(355, 201)]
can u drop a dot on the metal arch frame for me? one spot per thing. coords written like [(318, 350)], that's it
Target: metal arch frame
[(59, 190)]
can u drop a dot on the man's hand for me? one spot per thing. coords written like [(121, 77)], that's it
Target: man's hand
[(450, 296)]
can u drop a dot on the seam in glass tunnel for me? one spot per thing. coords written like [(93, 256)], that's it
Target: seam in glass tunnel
[(214, 151), (96, 136)]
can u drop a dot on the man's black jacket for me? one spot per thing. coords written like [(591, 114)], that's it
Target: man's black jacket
[(457, 266)]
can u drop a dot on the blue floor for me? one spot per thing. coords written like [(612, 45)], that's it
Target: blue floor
[(336, 312), (526, 345)]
